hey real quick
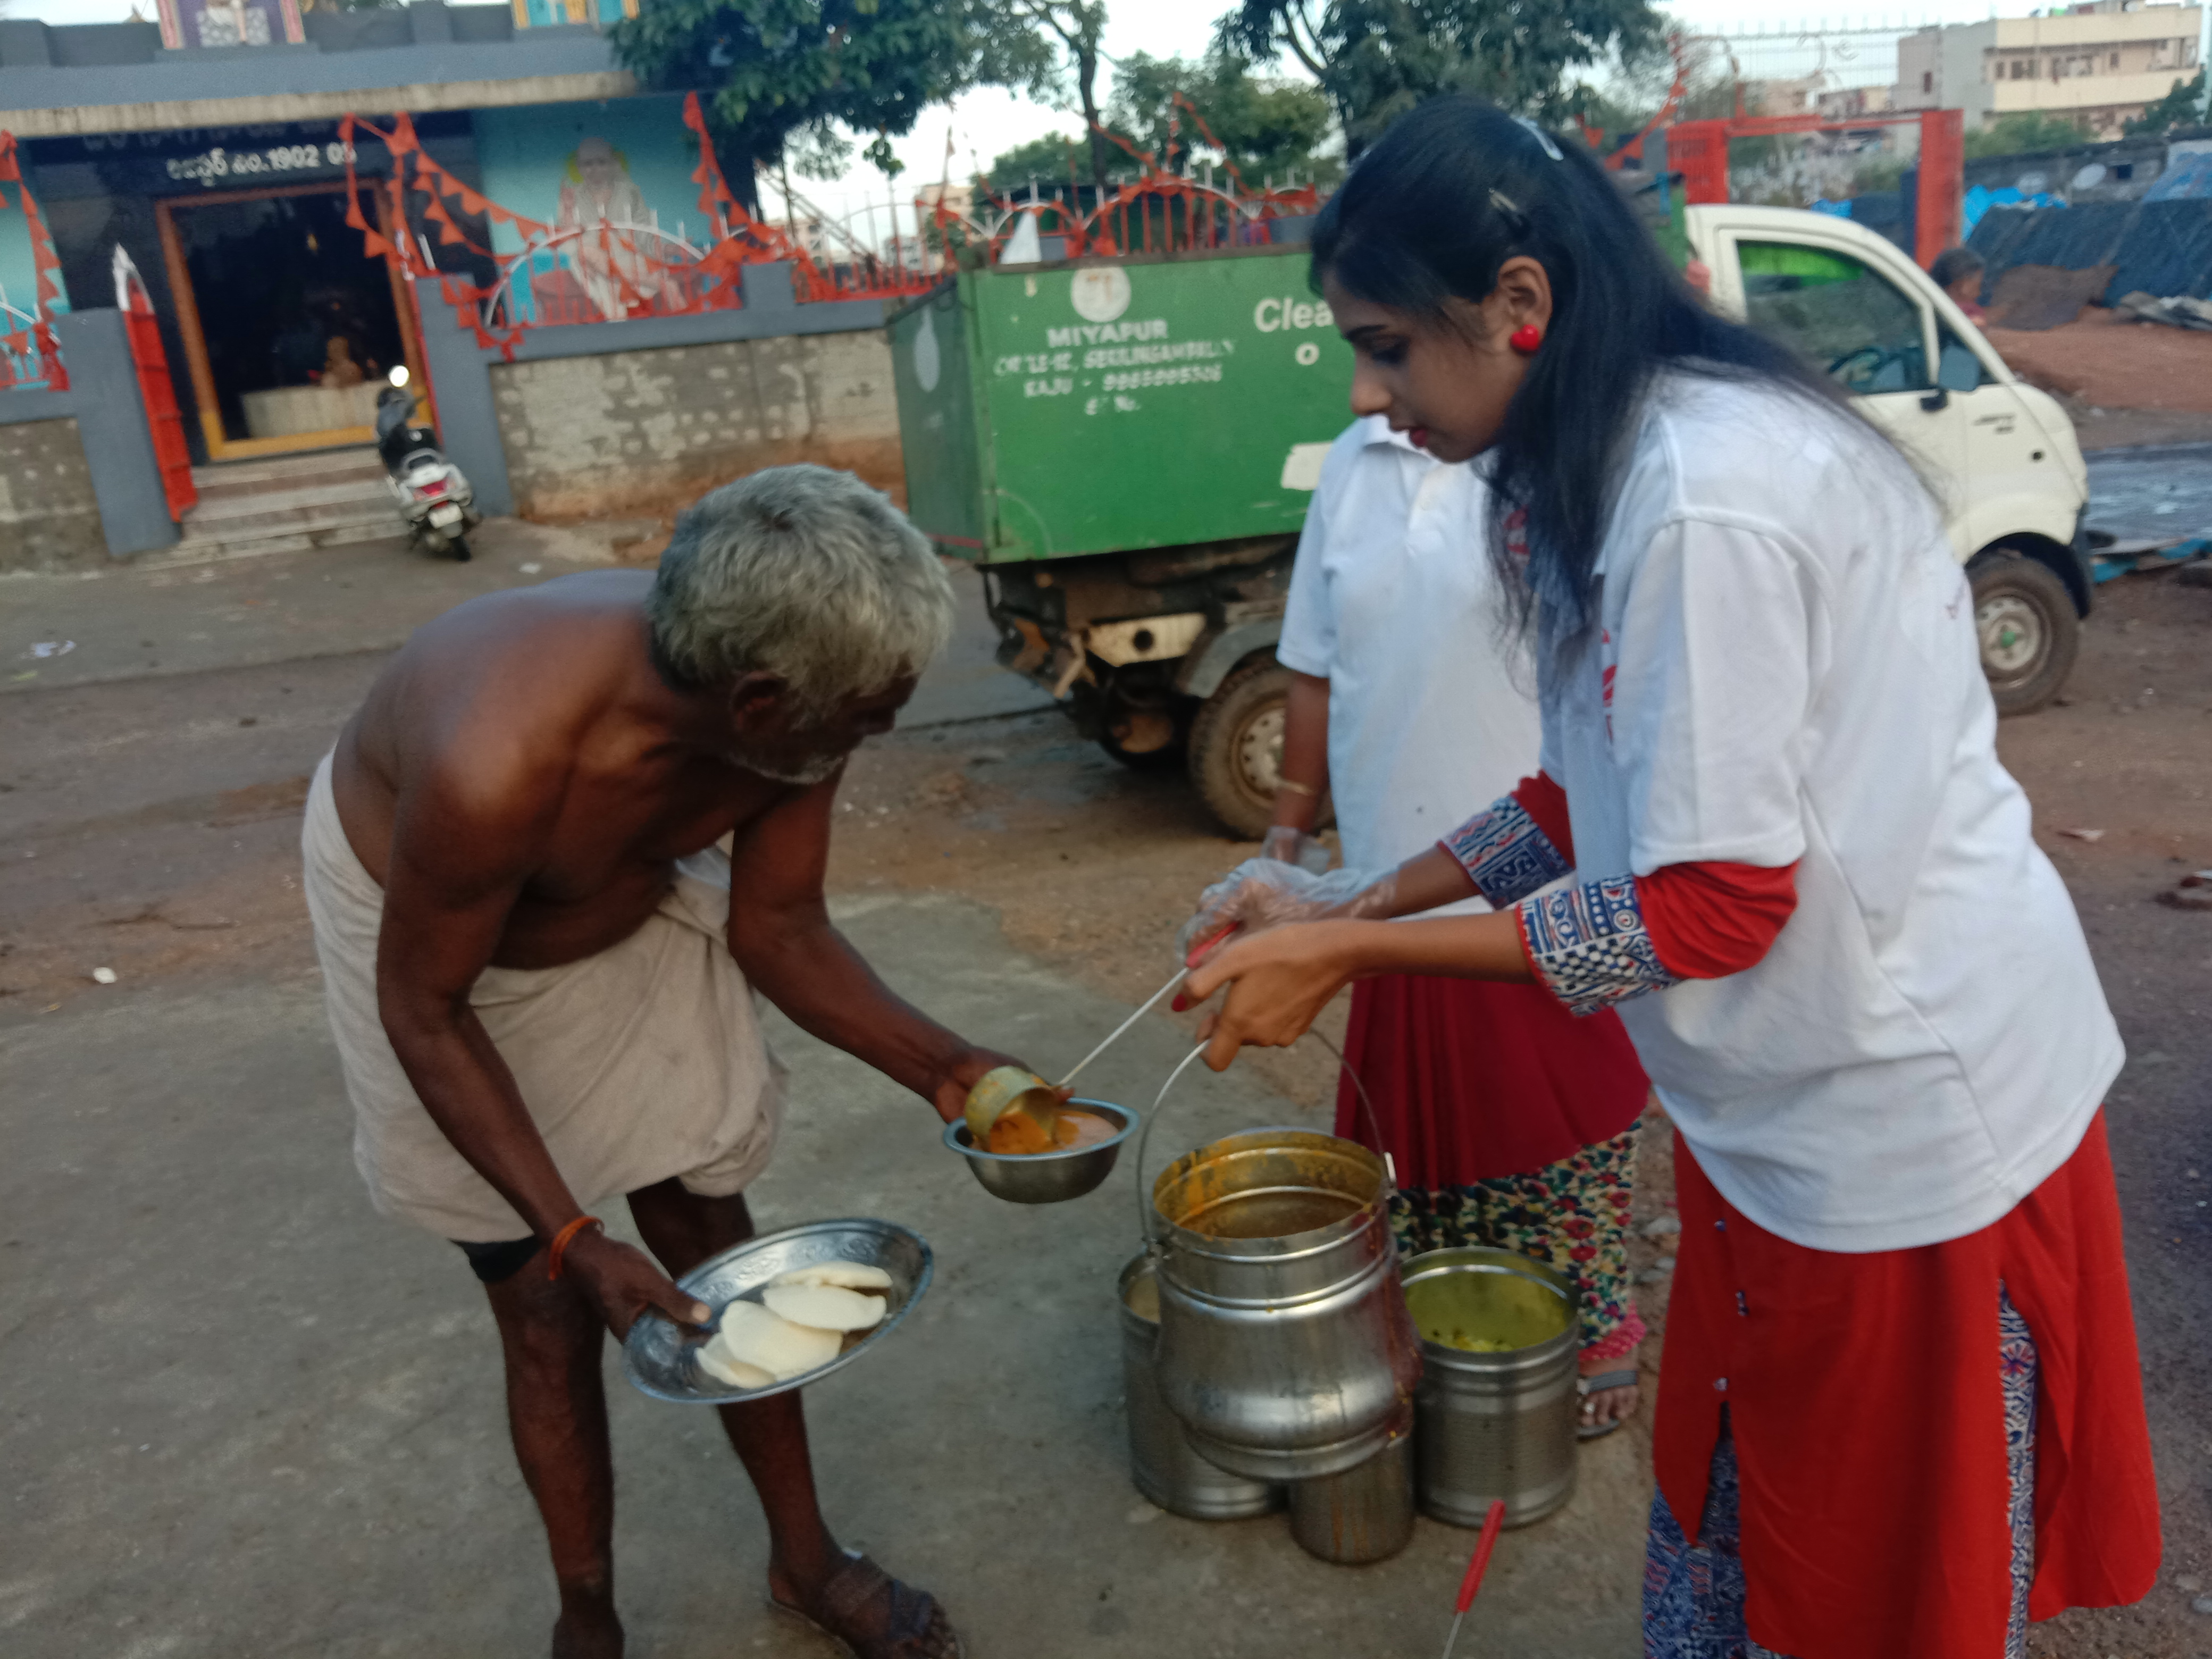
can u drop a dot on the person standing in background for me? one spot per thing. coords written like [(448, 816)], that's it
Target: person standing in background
[(1959, 271), (1511, 1123)]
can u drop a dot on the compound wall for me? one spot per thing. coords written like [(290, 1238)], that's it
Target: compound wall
[(635, 432), (49, 516)]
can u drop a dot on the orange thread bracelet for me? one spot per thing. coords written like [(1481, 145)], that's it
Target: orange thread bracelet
[(564, 1238)]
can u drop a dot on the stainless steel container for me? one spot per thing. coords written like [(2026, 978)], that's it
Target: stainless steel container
[(1364, 1514), (1165, 1468), (1285, 1347), (1502, 1425)]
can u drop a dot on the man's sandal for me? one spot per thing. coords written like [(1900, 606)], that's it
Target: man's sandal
[(871, 1615), (1598, 1384)]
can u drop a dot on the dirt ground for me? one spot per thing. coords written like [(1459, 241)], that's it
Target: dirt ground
[(2119, 376)]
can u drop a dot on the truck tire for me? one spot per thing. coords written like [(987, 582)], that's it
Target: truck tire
[(1236, 747), (2029, 633)]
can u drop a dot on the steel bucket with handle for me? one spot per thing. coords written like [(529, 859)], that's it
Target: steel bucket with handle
[(1285, 1347)]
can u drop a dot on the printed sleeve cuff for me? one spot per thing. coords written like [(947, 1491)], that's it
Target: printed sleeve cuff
[(1589, 946), (1504, 852)]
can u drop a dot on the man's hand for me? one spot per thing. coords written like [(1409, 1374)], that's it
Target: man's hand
[(622, 1282), (950, 1095)]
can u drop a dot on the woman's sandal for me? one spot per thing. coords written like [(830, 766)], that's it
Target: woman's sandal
[(1598, 1384), (913, 1626)]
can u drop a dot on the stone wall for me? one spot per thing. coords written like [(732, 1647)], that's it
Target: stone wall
[(49, 519), (635, 432)]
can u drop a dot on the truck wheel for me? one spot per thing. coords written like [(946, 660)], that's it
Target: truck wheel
[(2028, 630), (1236, 747)]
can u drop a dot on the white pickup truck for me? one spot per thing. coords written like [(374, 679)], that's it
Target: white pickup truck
[(2001, 453)]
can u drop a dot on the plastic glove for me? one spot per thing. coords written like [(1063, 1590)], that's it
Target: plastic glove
[(1287, 845), (1264, 892)]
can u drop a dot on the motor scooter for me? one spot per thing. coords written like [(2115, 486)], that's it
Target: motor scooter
[(434, 495)]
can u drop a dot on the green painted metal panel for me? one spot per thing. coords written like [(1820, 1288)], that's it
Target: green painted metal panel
[(932, 345), (1119, 404)]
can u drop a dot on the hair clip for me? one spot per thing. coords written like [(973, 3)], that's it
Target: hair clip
[(1504, 204), (1541, 136)]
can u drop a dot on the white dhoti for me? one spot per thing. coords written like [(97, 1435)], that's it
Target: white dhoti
[(642, 1062)]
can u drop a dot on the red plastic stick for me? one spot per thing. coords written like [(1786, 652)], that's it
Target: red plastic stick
[(1492, 1523), (1477, 1564)]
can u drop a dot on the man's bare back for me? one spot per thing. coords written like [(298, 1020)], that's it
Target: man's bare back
[(537, 716)]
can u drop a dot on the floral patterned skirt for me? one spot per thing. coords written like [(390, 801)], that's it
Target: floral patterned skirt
[(1572, 1214)]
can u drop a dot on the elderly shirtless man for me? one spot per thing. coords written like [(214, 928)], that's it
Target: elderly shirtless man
[(540, 964)]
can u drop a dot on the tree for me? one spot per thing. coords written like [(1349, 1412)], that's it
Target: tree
[(2022, 134), (1266, 127), (2182, 107), (1050, 160), (778, 70), (1377, 58), (1040, 46)]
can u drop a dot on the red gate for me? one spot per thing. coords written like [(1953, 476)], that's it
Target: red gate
[(158, 392), (1698, 151)]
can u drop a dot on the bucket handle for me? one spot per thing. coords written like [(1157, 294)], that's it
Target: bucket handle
[(1152, 1243), (1144, 1138)]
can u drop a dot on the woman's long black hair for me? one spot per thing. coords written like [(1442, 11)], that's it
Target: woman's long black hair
[(1451, 191)]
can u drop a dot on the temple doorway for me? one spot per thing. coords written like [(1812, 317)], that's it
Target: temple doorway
[(288, 326)]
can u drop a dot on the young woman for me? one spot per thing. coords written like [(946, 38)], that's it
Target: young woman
[(1510, 1122), (1899, 1408)]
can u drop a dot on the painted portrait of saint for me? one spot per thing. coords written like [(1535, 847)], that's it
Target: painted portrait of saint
[(614, 265)]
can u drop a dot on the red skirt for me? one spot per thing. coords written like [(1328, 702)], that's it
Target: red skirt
[(1471, 1080), (1863, 1396)]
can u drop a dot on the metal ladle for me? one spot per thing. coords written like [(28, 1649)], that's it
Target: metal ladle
[(1006, 1089)]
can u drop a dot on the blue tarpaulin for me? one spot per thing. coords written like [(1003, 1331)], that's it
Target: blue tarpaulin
[(2187, 178), (2161, 247), (1978, 201)]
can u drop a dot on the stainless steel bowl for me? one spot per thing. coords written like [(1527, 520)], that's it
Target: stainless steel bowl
[(662, 1357), (1044, 1178)]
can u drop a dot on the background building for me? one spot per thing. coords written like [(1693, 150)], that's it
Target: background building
[(2097, 63)]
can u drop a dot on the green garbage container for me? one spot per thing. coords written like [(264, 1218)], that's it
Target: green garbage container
[(1128, 447)]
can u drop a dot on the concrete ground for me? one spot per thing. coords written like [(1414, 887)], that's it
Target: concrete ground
[(245, 1416), (242, 1415)]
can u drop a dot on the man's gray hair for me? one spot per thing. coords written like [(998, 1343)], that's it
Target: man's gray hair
[(805, 574)]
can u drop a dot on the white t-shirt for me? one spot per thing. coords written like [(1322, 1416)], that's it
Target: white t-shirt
[(1431, 705), (1786, 668)]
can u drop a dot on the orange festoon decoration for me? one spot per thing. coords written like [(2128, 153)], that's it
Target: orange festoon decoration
[(47, 285), (463, 296), (740, 239), (639, 284), (716, 199)]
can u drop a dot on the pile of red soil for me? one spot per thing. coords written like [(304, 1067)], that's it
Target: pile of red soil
[(2114, 364)]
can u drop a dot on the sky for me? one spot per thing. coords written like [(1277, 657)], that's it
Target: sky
[(984, 125)]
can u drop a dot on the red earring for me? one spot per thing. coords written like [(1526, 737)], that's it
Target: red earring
[(1526, 338)]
